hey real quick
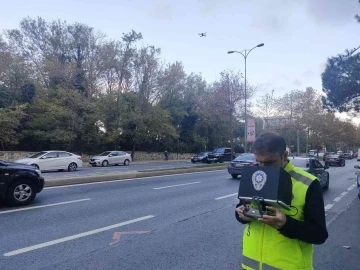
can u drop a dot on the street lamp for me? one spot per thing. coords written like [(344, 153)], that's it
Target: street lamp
[(245, 54)]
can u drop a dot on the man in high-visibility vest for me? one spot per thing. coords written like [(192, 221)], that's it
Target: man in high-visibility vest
[(284, 240)]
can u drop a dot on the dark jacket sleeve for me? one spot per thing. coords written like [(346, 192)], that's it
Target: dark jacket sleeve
[(236, 214), (313, 229)]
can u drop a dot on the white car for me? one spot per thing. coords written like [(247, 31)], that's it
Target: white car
[(53, 160), (111, 158)]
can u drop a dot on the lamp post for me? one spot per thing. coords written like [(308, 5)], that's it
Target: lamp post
[(245, 54)]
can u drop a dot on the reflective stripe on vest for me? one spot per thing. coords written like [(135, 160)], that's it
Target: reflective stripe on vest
[(254, 264), (301, 178)]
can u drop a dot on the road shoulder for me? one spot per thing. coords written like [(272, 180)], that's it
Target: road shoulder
[(342, 248)]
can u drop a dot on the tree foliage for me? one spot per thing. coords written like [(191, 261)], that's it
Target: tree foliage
[(341, 82), (86, 93), (67, 86), (317, 128)]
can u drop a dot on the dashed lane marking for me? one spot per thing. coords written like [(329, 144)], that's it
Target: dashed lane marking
[(73, 237), (42, 206), (180, 185)]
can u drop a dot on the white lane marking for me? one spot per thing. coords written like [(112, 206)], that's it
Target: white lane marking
[(42, 206), (328, 206), (73, 237), (226, 196), (123, 180), (178, 185), (338, 198)]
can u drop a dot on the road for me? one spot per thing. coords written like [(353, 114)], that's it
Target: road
[(135, 166), (168, 222)]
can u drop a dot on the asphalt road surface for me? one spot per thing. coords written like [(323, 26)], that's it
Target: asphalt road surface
[(135, 166), (168, 222)]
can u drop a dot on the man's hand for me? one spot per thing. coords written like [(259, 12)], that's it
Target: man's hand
[(277, 221), (240, 211)]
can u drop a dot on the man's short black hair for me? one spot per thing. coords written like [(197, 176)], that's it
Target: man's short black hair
[(269, 142)]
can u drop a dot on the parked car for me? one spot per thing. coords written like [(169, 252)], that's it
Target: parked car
[(335, 159), (201, 157), (326, 154), (111, 158), (347, 156), (220, 155), (313, 166), (236, 166), (53, 160), (19, 183)]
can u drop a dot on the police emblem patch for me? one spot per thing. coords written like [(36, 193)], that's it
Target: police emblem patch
[(259, 180)]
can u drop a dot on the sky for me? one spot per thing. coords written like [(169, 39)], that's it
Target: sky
[(299, 35)]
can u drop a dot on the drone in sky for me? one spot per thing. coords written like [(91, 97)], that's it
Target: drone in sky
[(202, 34)]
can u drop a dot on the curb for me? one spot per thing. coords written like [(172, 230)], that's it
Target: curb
[(141, 162), (112, 177)]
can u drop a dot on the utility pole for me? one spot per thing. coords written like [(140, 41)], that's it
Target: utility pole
[(245, 54)]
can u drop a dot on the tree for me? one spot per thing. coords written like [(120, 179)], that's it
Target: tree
[(10, 124), (229, 91), (28, 92), (341, 82), (266, 106), (63, 119)]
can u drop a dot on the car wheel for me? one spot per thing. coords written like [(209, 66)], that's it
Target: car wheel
[(93, 165), (193, 161), (126, 162), (327, 182), (105, 163), (221, 160), (36, 166), (21, 192), (72, 167), (234, 176)]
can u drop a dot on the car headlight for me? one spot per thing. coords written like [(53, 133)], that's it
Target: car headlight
[(38, 172)]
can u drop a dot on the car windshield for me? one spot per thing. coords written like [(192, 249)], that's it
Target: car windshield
[(219, 150), (203, 153), (38, 155), (250, 157), (333, 156), (302, 163), (105, 153)]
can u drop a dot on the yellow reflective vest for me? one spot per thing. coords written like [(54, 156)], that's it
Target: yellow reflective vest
[(264, 248)]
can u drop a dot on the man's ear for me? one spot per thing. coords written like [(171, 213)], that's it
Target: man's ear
[(286, 155)]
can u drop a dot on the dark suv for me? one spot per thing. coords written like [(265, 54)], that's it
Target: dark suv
[(335, 159), (220, 155), (19, 183)]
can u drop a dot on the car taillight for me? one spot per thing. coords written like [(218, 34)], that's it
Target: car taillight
[(80, 158)]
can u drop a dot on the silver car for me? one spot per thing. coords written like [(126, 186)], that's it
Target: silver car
[(111, 158)]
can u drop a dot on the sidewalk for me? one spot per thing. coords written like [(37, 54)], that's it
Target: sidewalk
[(344, 231)]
